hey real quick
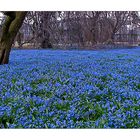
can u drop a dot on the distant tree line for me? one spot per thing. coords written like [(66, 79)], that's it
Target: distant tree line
[(85, 29)]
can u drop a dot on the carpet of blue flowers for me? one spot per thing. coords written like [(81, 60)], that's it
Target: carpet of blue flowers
[(71, 89)]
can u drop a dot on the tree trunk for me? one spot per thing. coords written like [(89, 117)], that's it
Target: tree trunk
[(5, 52), (110, 40), (45, 40), (11, 27)]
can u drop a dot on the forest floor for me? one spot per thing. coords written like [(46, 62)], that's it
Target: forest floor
[(71, 89)]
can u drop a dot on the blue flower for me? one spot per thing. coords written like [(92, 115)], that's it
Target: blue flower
[(71, 89)]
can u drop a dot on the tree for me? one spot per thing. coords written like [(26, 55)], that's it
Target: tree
[(117, 19), (10, 29), (40, 23)]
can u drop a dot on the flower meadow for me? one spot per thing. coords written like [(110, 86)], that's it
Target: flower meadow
[(71, 89)]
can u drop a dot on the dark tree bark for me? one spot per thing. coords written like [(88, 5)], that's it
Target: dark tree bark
[(45, 35), (10, 29)]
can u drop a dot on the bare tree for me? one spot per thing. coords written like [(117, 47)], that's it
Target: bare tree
[(116, 19), (10, 29)]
